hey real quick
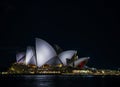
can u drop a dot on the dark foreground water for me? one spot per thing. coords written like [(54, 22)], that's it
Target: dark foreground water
[(58, 81)]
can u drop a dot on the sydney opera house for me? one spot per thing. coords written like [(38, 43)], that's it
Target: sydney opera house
[(44, 53), (45, 59)]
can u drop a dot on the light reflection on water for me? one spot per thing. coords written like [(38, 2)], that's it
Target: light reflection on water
[(59, 81), (40, 80)]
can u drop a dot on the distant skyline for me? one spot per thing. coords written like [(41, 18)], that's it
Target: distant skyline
[(90, 27)]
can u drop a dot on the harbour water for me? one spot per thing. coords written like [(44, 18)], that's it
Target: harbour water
[(58, 81)]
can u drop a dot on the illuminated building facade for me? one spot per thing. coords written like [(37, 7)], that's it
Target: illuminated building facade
[(44, 59), (45, 54)]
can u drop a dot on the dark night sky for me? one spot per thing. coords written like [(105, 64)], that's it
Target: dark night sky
[(88, 26)]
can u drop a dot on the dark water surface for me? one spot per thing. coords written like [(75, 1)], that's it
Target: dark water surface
[(58, 81)]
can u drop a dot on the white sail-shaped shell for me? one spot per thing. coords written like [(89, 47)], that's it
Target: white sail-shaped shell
[(66, 55), (20, 57), (30, 56), (80, 60), (44, 52)]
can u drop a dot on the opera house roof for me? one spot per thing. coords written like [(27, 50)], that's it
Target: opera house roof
[(44, 53)]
